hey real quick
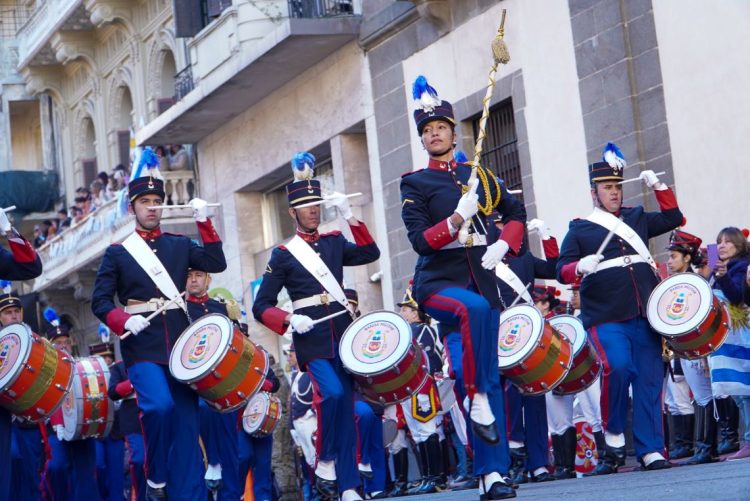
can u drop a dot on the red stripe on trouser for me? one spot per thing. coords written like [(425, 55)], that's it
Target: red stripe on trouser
[(506, 404), (604, 397), (318, 416), (458, 309)]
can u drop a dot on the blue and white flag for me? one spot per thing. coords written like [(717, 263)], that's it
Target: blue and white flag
[(730, 364)]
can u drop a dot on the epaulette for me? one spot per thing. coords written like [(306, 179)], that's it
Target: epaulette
[(412, 172), (234, 312), (333, 233), (281, 247)]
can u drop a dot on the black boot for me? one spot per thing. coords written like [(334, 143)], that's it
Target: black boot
[(729, 421), (601, 444), (613, 458), (400, 472), (518, 465), (434, 465), (568, 442), (705, 436), (683, 436), (423, 459), (558, 453), (156, 493)]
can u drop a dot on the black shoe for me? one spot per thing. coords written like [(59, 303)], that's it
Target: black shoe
[(542, 477), (613, 458), (399, 489), (487, 432), (380, 495), (213, 485), (659, 464), (367, 475), (563, 474), (498, 490), (603, 468), (156, 493), (460, 482), (328, 489), (428, 486)]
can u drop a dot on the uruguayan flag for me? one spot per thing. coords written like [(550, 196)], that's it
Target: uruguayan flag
[(730, 364)]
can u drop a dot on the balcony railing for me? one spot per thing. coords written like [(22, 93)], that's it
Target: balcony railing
[(320, 8), (183, 83), (179, 186)]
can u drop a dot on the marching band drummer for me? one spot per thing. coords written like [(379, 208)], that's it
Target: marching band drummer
[(311, 267), (20, 263), (141, 272), (614, 293), (451, 281)]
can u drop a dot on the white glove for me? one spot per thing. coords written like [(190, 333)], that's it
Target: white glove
[(5, 225), (423, 402), (468, 205), (341, 203), (301, 323), (588, 264), (136, 324), (494, 254), (200, 209), (540, 227), (59, 429), (652, 181)]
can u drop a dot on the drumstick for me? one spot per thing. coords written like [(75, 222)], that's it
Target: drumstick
[(661, 173), (154, 314), (606, 241), (332, 315), (8, 209), (182, 206), (327, 198), (518, 297), (349, 195)]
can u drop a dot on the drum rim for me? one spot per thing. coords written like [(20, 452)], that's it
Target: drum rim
[(575, 347), (384, 365), (698, 319), (14, 373), (175, 355), (267, 397), (77, 432), (517, 358)]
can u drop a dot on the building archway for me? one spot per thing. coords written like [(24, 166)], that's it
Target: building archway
[(121, 124), (87, 149)]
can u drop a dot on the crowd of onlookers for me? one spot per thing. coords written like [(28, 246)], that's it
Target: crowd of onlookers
[(103, 189)]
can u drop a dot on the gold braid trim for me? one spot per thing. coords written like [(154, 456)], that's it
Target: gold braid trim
[(484, 177)]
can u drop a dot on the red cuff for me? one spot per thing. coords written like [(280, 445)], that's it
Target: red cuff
[(116, 319), (57, 418), (124, 388), (207, 232), (513, 235), (267, 385), (551, 250), (361, 234), (22, 250), (666, 199), (439, 235), (568, 273), (273, 318)]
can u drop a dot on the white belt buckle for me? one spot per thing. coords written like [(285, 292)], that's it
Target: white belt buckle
[(627, 260), (324, 299)]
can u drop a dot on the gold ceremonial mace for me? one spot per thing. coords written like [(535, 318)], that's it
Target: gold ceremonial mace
[(500, 55)]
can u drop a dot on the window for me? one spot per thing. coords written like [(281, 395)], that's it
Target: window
[(500, 147)]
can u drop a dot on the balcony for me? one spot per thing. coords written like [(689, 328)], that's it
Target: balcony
[(243, 56)]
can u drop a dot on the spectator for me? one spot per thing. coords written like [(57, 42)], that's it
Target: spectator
[(179, 159), (107, 193), (121, 177), (63, 220), (161, 152), (77, 214), (38, 237), (97, 195)]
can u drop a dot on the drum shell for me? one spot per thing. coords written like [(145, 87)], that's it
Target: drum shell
[(707, 338), (584, 371), (40, 386), (398, 383), (88, 401), (545, 366), (271, 418)]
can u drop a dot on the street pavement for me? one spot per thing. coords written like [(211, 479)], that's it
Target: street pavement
[(727, 480)]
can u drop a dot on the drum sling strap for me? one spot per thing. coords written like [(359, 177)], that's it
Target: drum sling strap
[(507, 275), (311, 261), (622, 230), (154, 268)]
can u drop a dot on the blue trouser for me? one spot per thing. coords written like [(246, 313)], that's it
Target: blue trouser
[(136, 459), (71, 469), (219, 435), (452, 344), (27, 453), (337, 435), (255, 453), (5, 444), (631, 354), (169, 416), (371, 450), (110, 460), (528, 424), (479, 323)]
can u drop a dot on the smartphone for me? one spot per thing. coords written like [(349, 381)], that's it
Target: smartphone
[(713, 255)]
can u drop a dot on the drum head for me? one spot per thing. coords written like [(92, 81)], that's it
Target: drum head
[(200, 347), (255, 412), (390, 430), (15, 344), (572, 328), (72, 406), (375, 342), (520, 329), (679, 304)]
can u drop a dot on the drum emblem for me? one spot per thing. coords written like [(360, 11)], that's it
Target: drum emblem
[(678, 307), (374, 345), (4, 355), (199, 350), (510, 339)]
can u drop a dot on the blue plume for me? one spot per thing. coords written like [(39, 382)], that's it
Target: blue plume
[(425, 94), (5, 284), (50, 316), (613, 156), (148, 159), (303, 165), (460, 157)]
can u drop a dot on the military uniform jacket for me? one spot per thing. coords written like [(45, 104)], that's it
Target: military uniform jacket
[(428, 198), (528, 267), (21, 262), (120, 275), (426, 338), (620, 293), (284, 270), (199, 306), (126, 418), (302, 399)]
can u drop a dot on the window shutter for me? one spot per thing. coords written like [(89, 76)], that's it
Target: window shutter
[(188, 17)]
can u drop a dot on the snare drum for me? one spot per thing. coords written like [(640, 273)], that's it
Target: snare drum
[(262, 414), (586, 364), (380, 353), (532, 354), (684, 310), (224, 367), (34, 375), (87, 410)]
